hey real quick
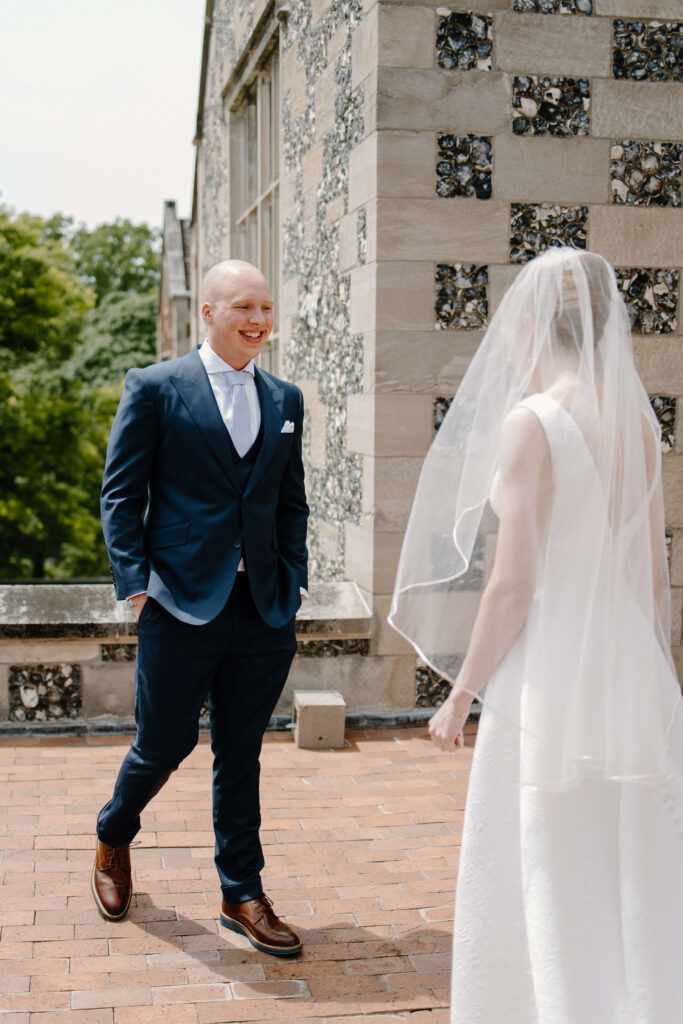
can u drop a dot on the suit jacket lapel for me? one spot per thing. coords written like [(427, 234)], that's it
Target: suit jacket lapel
[(197, 396), (271, 400)]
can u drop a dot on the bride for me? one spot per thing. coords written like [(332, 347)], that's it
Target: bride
[(569, 905)]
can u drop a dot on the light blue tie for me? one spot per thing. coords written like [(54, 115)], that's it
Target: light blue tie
[(241, 418)]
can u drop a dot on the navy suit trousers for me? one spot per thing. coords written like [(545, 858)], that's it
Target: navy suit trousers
[(241, 664)]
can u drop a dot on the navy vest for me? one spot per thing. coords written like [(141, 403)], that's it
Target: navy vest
[(244, 465)]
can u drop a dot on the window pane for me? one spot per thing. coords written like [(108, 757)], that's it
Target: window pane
[(265, 119), (252, 242), (252, 179), (275, 119)]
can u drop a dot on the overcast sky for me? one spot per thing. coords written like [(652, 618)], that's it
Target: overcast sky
[(98, 106)]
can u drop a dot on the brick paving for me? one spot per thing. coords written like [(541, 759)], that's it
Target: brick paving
[(361, 852)]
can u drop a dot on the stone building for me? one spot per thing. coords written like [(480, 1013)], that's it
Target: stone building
[(390, 165)]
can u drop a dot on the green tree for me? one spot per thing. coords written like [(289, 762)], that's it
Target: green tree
[(120, 333), (117, 257), (53, 434), (43, 301)]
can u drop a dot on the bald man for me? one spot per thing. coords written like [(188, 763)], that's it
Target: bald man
[(204, 516)]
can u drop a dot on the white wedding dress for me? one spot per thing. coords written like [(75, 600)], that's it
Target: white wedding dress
[(569, 900)]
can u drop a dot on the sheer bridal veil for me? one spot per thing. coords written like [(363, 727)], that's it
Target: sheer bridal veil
[(599, 692)]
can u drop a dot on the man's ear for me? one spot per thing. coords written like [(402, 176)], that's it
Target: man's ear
[(206, 312)]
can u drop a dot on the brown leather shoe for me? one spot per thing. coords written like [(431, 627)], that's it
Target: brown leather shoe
[(111, 881), (258, 921)]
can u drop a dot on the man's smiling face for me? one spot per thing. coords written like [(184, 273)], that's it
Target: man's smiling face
[(238, 311)]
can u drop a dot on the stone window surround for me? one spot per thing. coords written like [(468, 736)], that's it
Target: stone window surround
[(250, 81)]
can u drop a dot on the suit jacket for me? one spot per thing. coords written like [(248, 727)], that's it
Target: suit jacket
[(176, 521)]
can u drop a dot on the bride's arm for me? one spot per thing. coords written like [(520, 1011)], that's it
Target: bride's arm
[(526, 481)]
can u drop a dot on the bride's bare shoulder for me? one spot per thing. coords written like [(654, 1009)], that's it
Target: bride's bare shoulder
[(523, 438)]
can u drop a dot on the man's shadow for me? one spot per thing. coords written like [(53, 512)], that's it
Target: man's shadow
[(222, 956)]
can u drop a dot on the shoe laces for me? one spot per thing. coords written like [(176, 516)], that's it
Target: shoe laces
[(113, 857)]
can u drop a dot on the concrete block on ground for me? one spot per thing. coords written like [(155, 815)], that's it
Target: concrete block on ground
[(319, 718)]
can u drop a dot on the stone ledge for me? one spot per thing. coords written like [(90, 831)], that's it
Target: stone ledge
[(77, 611)]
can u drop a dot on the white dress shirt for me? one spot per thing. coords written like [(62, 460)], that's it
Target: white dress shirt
[(224, 392)]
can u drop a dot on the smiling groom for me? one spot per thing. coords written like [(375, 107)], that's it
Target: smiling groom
[(204, 516)]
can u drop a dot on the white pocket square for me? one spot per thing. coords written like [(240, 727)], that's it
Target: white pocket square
[(287, 427)]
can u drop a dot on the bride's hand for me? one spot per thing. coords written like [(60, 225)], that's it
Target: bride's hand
[(446, 727)]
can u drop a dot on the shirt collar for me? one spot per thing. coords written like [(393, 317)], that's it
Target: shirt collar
[(214, 364)]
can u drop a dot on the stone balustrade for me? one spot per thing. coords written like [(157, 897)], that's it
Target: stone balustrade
[(67, 654)]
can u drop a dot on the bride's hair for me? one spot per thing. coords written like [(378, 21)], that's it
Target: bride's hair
[(591, 272)]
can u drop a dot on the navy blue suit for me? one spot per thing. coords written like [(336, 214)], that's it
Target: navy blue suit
[(179, 510)]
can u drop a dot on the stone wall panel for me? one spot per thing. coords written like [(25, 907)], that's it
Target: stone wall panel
[(637, 236), (545, 170), (552, 45), (636, 110)]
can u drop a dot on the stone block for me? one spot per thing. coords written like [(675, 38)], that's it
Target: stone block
[(574, 170), (316, 412), (394, 484), (359, 556), (325, 96), (389, 424), (363, 291), (659, 363), (405, 296), (676, 615), (371, 232), (677, 653), (48, 652), (319, 718), (636, 236), (406, 37), (644, 10), (677, 558), (329, 539), (365, 47), (298, 92), (348, 242), (636, 110), (334, 210), (500, 279), (445, 229), (432, 362), (437, 100), (109, 689), (4, 692), (528, 43), (406, 164), (386, 640), (365, 683), (672, 478), (363, 171)]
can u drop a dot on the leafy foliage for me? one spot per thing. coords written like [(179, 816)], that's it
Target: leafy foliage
[(53, 434), (43, 301), (117, 257), (119, 333), (77, 309)]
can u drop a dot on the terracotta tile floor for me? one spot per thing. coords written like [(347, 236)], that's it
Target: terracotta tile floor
[(361, 852)]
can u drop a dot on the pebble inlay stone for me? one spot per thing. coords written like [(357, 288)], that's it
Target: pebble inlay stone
[(432, 689), (665, 411), (646, 173), (550, 106), (648, 49), (44, 693), (461, 298), (651, 296), (332, 648), (536, 227), (464, 41), (464, 167), (555, 6)]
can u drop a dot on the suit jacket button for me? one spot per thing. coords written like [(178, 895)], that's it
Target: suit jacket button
[(237, 543)]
